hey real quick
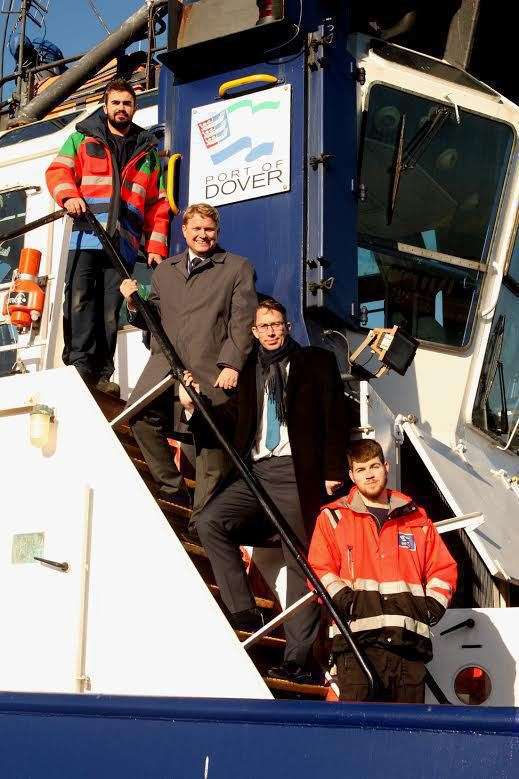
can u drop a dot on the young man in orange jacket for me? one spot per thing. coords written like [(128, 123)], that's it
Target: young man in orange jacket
[(390, 575)]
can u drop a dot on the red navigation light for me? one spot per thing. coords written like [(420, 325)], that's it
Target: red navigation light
[(269, 10), (472, 685)]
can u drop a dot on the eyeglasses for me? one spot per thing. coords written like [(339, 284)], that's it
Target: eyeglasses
[(276, 326)]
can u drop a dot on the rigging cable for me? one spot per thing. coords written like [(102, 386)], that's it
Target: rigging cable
[(100, 19)]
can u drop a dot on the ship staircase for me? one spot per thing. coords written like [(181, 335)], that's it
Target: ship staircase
[(268, 650)]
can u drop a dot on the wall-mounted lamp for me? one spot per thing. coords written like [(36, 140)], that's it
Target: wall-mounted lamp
[(41, 418)]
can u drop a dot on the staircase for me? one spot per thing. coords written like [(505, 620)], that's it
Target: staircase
[(268, 651)]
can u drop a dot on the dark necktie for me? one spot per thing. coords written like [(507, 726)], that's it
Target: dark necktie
[(192, 263)]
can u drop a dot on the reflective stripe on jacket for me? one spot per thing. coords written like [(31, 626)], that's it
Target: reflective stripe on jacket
[(133, 203), (402, 577)]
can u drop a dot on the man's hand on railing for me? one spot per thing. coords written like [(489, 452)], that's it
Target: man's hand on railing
[(128, 287), (154, 259), (75, 206), (184, 398), (332, 486)]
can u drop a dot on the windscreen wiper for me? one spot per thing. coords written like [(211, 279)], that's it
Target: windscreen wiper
[(406, 159), (396, 170), (495, 367)]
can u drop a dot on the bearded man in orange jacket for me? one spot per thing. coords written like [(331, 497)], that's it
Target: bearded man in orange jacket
[(390, 576), (111, 166)]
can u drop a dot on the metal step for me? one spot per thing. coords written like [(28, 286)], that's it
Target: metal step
[(268, 652), (286, 689)]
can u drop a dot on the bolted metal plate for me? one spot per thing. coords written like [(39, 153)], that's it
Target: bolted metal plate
[(26, 546)]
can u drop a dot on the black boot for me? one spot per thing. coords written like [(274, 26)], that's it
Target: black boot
[(250, 620), (293, 672)]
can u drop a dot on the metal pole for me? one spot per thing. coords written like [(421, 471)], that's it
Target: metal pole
[(45, 220), (21, 51), (11, 77), (269, 508), (56, 63)]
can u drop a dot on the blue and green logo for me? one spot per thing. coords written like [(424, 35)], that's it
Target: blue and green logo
[(217, 132)]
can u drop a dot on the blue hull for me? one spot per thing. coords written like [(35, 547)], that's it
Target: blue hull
[(103, 736)]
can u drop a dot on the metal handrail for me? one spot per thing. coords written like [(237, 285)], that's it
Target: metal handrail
[(26, 228), (279, 619), (269, 508)]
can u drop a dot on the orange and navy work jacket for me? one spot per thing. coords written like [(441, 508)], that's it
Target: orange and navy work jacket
[(401, 576), (130, 203)]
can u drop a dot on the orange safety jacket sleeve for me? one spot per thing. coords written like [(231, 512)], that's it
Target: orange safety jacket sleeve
[(64, 173), (324, 555), (156, 216), (441, 575)]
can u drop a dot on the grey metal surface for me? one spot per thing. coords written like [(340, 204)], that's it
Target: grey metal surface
[(478, 477)]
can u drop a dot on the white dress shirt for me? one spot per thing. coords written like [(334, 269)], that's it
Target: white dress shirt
[(193, 255)]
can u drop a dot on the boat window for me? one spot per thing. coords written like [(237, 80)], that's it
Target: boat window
[(496, 410), (12, 215), (37, 130), (147, 99), (513, 267), (426, 219), (8, 337), (430, 66)]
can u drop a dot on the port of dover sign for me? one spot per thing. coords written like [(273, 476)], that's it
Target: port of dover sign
[(240, 148)]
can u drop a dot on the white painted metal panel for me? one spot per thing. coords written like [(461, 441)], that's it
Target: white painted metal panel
[(466, 479), (40, 605), (152, 627), (492, 644)]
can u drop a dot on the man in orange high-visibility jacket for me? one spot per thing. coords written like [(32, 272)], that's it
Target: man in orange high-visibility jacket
[(112, 166), (390, 576)]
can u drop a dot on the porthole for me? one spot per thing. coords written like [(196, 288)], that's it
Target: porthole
[(472, 685)]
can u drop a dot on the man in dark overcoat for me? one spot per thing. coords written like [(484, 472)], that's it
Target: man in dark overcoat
[(205, 298), (292, 427)]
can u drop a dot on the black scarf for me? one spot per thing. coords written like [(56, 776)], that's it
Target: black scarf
[(272, 374)]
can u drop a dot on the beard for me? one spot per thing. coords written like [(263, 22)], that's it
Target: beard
[(120, 123), (372, 491)]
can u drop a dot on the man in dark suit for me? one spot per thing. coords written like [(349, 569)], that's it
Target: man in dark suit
[(205, 298), (291, 424)]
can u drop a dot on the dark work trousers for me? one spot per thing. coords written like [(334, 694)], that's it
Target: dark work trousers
[(151, 428), (403, 681), (91, 313), (233, 518)]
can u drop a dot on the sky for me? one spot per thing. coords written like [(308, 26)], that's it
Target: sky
[(72, 25)]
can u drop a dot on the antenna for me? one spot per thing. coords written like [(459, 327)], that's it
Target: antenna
[(26, 11), (35, 10)]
